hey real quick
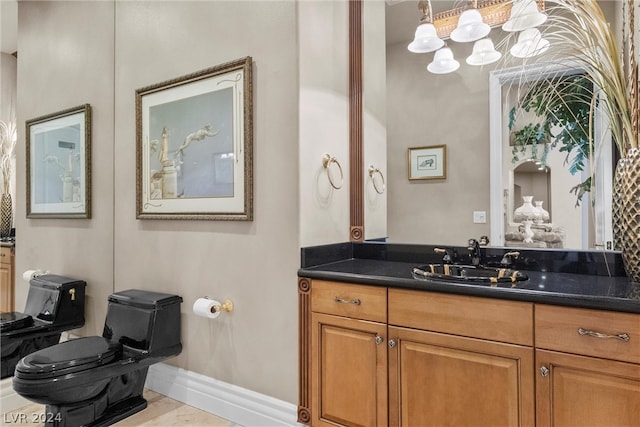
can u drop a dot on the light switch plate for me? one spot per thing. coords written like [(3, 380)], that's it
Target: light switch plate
[(479, 217)]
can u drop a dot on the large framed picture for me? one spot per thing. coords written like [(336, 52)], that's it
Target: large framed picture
[(194, 138), (58, 149), (428, 162)]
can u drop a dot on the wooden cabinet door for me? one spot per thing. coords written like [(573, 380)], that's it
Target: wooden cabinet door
[(6, 288), (586, 391), (444, 380), (348, 372)]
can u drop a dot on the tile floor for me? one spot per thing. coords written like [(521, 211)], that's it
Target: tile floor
[(161, 412)]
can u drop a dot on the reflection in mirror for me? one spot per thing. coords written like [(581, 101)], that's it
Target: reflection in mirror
[(579, 220), (455, 109)]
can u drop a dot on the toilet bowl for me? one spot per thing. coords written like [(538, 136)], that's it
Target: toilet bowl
[(54, 304), (99, 380)]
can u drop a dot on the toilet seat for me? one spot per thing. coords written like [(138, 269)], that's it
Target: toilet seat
[(68, 357), (14, 320)]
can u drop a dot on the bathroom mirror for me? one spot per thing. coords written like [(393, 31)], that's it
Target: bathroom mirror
[(426, 109)]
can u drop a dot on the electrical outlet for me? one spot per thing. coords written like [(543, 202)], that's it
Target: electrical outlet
[(479, 217)]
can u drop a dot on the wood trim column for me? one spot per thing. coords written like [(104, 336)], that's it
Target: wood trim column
[(356, 157), (304, 350)]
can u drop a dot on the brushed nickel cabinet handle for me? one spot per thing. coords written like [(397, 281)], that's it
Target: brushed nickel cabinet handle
[(622, 337), (347, 301), (392, 343), (544, 371), (379, 339)]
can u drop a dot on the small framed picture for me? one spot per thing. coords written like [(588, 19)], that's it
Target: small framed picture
[(427, 162), (59, 164)]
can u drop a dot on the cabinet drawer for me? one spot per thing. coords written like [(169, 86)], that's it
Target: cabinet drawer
[(5, 255), (588, 332), (491, 319), (356, 301)]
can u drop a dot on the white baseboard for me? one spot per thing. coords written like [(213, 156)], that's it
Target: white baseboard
[(9, 399), (236, 404)]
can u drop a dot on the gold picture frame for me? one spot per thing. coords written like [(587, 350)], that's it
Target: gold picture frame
[(428, 162), (194, 139), (58, 151)]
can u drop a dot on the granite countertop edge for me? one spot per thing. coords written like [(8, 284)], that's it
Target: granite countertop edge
[(331, 272)]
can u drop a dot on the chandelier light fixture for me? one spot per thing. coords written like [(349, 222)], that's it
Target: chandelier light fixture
[(426, 38), (443, 62), (473, 23)]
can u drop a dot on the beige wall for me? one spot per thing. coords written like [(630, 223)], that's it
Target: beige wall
[(100, 53), (374, 120), (323, 104), (66, 59), (422, 110)]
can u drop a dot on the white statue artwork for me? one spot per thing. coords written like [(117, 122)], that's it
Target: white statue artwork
[(198, 135)]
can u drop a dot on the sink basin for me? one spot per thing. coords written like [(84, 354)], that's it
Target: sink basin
[(469, 274)]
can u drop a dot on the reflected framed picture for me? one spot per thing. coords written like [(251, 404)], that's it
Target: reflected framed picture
[(194, 138), (58, 150), (427, 162)]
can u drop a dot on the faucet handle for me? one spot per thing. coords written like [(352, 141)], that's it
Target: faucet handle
[(509, 258), (448, 257)]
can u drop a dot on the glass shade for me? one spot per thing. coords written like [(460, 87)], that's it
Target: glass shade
[(524, 15), (426, 39), (470, 27), (530, 43), (483, 53), (443, 62)]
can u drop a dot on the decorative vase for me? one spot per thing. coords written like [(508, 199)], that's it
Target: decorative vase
[(6, 215), (630, 214), (525, 212), (544, 214)]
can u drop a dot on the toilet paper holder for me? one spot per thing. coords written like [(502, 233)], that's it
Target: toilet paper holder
[(227, 305)]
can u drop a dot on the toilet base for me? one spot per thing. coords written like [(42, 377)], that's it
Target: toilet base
[(119, 400), (121, 411), (57, 416)]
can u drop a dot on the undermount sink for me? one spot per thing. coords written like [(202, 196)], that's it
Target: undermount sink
[(469, 274)]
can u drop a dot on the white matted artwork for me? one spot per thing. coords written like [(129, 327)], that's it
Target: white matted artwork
[(194, 145), (427, 162), (58, 149)]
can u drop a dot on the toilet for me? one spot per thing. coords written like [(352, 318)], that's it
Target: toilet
[(54, 304), (99, 380)]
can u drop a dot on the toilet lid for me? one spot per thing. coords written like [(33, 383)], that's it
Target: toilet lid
[(13, 320), (69, 356)]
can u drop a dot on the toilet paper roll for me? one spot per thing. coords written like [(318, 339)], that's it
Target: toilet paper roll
[(30, 274), (206, 307)]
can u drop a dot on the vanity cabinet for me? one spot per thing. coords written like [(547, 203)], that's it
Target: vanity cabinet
[(6, 279), (374, 356), (588, 367)]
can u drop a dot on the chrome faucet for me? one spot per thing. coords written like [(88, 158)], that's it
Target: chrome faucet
[(474, 252)]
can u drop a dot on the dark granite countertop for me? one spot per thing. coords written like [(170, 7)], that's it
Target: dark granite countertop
[(588, 279)]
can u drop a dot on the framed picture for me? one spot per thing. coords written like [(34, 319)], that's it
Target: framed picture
[(59, 164), (194, 145), (428, 162)]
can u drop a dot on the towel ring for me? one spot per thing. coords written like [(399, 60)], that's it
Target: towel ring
[(372, 171), (327, 159)]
